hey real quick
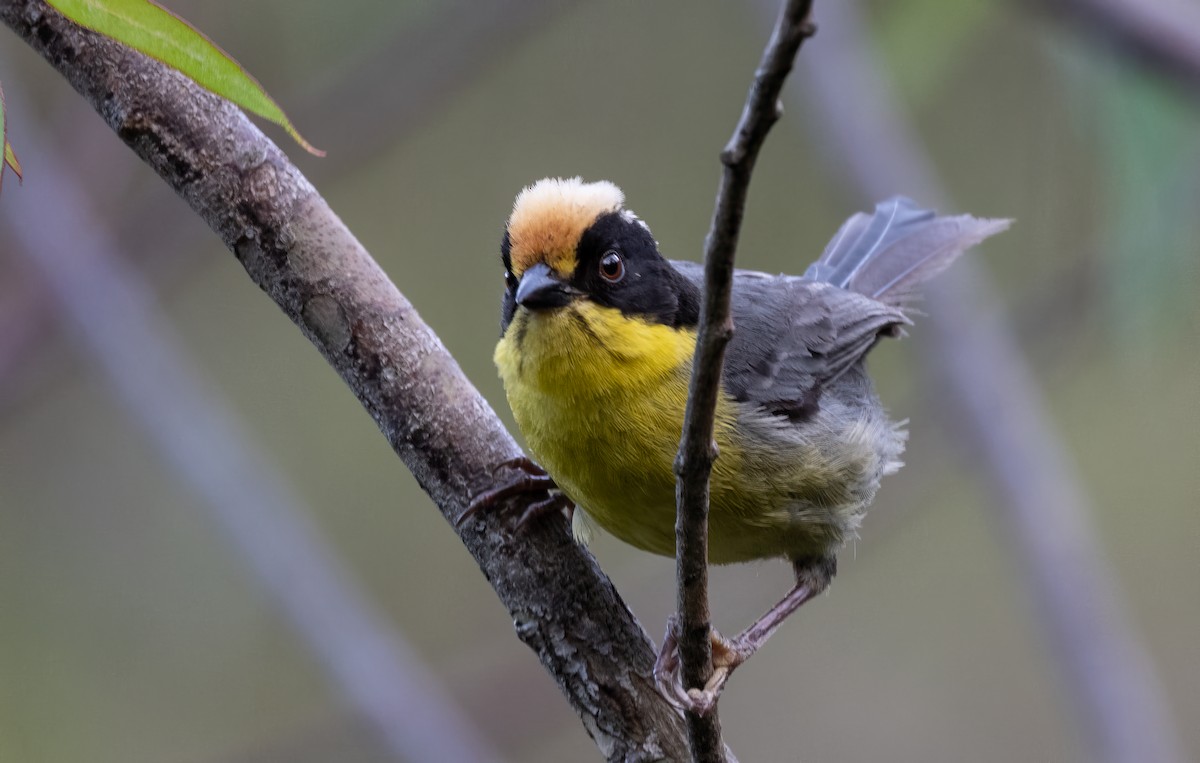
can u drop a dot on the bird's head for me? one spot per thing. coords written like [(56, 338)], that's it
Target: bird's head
[(569, 241)]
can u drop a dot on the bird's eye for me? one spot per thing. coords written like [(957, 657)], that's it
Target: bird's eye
[(510, 280), (612, 267)]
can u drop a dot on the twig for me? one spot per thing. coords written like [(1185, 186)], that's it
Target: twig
[(112, 312), (693, 464), (298, 251), (997, 407)]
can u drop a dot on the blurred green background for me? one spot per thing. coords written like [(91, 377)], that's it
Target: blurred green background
[(131, 631)]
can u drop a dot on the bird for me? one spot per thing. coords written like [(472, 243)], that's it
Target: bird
[(598, 331)]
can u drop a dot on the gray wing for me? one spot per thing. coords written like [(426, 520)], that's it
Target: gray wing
[(794, 337)]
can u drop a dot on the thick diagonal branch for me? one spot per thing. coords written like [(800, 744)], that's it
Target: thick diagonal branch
[(297, 250), (693, 465)]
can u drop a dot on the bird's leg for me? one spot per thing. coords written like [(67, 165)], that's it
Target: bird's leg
[(533, 479), (812, 577)]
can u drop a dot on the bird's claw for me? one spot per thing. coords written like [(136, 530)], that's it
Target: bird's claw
[(520, 463), (533, 479), (555, 504), (726, 656)]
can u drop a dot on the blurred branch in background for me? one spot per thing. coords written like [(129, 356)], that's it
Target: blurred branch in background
[(24, 323), (1163, 34), (995, 405), (422, 66), (111, 311), (300, 253)]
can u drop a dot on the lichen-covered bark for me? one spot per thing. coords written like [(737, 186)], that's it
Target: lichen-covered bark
[(298, 251)]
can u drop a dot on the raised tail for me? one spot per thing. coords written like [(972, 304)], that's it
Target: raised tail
[(888, 254)]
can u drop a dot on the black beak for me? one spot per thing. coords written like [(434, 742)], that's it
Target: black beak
[(540, 289)]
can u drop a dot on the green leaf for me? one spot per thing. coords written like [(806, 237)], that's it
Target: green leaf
[(149, 28), (10, 158)]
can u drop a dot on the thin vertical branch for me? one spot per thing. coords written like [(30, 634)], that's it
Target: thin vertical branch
[(112, 313), (693, 464), (995, 405)]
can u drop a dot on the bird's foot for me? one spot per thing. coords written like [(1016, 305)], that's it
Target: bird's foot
[(812, 577), (531, 481), (726, 656)]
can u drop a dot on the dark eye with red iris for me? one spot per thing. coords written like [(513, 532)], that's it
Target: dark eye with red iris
[(612, 267)]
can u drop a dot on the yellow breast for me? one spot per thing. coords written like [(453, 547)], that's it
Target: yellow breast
[(600, 397), (597, 397)]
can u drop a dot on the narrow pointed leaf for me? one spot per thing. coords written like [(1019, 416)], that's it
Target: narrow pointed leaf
[(149, 28), (9, 159)]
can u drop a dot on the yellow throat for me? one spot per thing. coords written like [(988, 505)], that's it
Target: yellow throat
[(599, 397)]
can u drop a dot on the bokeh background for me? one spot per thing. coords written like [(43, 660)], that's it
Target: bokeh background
[(133, 630)]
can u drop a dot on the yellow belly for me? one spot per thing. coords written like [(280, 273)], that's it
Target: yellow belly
[(599, 398)]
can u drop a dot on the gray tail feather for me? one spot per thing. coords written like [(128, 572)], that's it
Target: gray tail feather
[(888, 254)]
